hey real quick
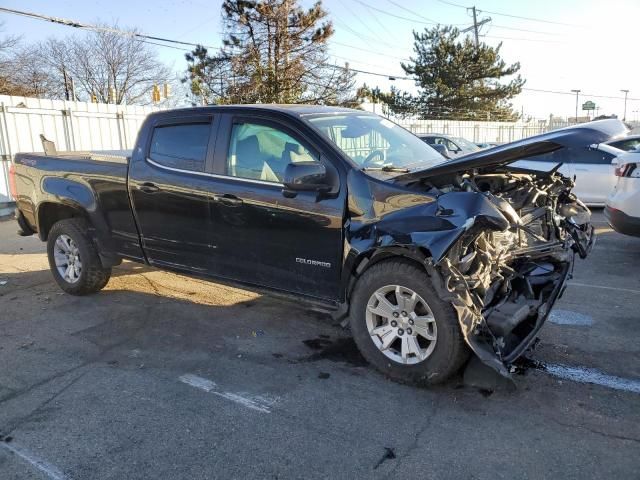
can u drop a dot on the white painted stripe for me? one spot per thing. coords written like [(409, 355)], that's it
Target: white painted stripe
[(567, 317), (590, 375), (198, 382), (628, 290), (258, 403), (45, 467)]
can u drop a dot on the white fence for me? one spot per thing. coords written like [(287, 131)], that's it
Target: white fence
[(71, 125), (501, 132)]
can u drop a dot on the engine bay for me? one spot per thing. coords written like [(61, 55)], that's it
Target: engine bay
[(503, 277)]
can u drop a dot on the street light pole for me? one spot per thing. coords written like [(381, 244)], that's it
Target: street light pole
[(577, 92), (626, 92)]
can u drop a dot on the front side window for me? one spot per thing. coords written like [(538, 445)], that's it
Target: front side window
[(180, 146), (261, 152), (452, 147), (375, 142)]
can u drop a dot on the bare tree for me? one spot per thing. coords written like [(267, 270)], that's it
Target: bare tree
[(105, 65), (31, 76), (8, 84)]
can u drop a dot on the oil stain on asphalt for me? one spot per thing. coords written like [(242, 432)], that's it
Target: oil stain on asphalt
[(340, 350)]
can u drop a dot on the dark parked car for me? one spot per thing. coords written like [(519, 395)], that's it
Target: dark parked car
[(453, 146), (427, 260)]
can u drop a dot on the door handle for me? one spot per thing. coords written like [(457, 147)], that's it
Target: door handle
[(148, 187), (228, 199)]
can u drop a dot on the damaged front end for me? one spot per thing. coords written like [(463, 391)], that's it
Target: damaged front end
[(512, 258)]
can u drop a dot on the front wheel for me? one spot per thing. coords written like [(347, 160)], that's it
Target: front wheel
[(74, 259), (403, 328)]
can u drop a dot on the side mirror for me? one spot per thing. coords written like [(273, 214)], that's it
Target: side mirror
[(441, 149), (305, 177)]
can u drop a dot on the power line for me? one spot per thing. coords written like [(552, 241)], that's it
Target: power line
[(560, 92), (520, 39), (395, 57), (525, 30), (401, 7), (350, 61), (389, 14), (453, 4), (96, 28), (520, 17), (379, 22), (364, 38), (531, 19)]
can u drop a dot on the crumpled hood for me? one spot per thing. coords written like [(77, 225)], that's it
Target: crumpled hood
[(579, 136)]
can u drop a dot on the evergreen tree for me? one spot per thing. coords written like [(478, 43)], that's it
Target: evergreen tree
[(457, 80), (274, 52)]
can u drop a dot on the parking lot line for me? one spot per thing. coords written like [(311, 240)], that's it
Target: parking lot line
[(629, 290), (590, 375), (259, 404), (45, 467)]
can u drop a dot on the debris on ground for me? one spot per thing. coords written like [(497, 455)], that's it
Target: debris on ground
[(389, 454)]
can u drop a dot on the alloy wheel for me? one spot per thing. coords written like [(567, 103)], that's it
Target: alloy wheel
[(401, 324), (67, 258)]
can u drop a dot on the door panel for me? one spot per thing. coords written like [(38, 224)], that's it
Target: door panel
[(266, 239), (170, 194), (594, 181), (174, 221), (261, 237)]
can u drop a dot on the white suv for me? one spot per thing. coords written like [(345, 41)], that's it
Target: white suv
[(623, 204)]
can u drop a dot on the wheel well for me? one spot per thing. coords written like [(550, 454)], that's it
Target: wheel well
[(50, 213), (415, 257)]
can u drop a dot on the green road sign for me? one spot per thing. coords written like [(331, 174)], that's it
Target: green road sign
[(588, 105)]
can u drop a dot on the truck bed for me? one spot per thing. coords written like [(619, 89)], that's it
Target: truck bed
[(96, 181)]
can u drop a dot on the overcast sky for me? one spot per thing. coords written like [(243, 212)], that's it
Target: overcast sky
[(580, 44)]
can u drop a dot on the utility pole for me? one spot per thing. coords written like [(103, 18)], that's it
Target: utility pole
[(577, 92), (476, 25), (73, 89), (66, 83), (624, 117)]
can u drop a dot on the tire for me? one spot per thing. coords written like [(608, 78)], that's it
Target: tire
[(92, 276), (443, 356)]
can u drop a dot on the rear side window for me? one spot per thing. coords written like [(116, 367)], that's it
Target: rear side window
[(627, 145), (181, 146)]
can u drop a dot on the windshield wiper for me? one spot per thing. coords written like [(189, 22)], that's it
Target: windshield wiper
[(386, 168)]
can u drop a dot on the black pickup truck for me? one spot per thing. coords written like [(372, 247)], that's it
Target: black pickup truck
[(427, 260)]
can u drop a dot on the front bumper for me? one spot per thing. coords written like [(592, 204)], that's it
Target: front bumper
[(621, 222)]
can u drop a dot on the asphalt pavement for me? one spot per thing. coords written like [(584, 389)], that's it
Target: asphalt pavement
[(161, 376)]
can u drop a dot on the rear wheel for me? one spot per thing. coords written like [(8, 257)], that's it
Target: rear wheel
[(74, 259), (403, 328)]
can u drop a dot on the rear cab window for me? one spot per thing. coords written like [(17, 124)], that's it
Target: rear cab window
[(181, 145)]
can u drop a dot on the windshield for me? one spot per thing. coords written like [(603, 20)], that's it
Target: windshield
[(374, 142)]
